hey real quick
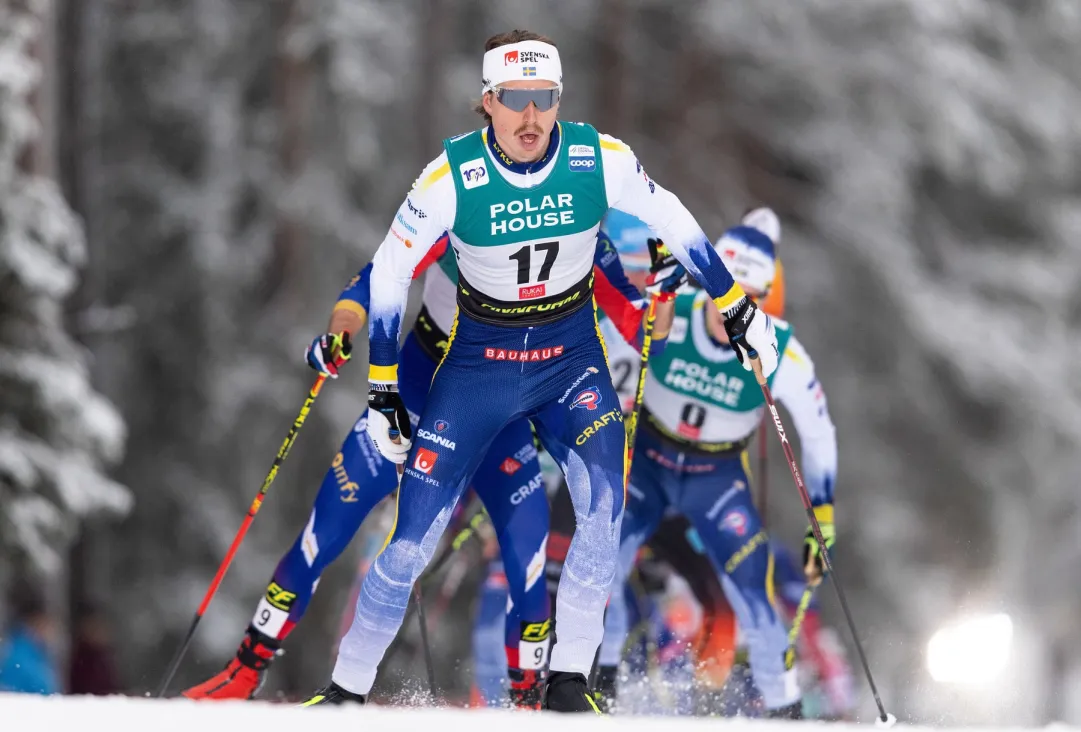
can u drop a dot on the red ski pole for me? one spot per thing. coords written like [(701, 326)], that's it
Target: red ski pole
[(283, 451)]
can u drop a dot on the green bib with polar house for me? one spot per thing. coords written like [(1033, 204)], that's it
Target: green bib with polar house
[(526, 253), (685, 369)]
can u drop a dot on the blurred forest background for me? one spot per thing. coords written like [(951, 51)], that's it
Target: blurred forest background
[(185, 185)]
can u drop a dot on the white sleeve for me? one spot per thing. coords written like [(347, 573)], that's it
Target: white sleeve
[(427, 211), (630, 189), (796, 387)]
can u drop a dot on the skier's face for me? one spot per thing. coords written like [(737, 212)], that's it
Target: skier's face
[(522, 135)]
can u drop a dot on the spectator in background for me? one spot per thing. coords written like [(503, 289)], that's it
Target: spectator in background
[(92, 668), (26, 662)]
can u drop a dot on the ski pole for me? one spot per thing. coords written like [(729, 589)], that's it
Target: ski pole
[(763, 480), (283, 451), (643, 365), (884, 718), (797, 623)]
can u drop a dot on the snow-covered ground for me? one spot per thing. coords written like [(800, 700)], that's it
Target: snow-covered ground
[(19, 713)]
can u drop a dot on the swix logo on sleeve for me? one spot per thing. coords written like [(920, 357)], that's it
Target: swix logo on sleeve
[(588, 399), (474, 173), (534, 354), (425, 460)]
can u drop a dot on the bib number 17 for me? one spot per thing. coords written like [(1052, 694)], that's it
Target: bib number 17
[(523, 258)]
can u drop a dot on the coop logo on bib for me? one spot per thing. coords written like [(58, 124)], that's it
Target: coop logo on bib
[(474, 173), (425, 460), (582, 158)]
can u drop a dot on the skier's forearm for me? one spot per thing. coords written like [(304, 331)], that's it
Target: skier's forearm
[(665, 314), (347, 317)]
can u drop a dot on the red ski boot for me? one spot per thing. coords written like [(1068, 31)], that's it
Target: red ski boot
[(243, 676), (525, 688)]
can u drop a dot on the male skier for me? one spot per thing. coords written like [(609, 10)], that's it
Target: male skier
[(359, 478), (699, 412), (522, 200)]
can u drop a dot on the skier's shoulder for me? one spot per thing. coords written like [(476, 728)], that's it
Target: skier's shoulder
[(782, 326), (792, 351), (433, 173)]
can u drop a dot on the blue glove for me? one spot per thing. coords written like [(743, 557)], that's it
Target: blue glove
[(329, 352), (666, 274)]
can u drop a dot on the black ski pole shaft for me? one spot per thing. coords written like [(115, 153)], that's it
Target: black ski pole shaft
[(756, 365)]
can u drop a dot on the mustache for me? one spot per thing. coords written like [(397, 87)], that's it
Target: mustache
[(529, 129)]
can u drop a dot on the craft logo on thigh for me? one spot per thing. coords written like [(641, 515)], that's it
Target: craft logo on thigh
[(745, 551), (425, 460), (526, 490), (588, 399), (612, 416), (533, 354)]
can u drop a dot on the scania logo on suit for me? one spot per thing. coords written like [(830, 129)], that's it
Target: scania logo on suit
[(437, 439)]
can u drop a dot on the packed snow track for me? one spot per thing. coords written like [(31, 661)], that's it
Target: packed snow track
[(26, 713)]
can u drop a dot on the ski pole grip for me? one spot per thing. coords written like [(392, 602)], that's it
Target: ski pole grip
[(400, 466), (756, 366)]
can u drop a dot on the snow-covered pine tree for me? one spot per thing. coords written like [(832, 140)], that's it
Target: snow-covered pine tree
[(56, 433)]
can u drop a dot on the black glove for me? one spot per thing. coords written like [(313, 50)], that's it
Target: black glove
[(752, 334), (388, 422)]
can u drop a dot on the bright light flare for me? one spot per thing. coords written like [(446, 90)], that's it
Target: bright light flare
[(970, 651)]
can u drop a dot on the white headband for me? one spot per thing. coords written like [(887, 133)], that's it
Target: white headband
[(528, 60)]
